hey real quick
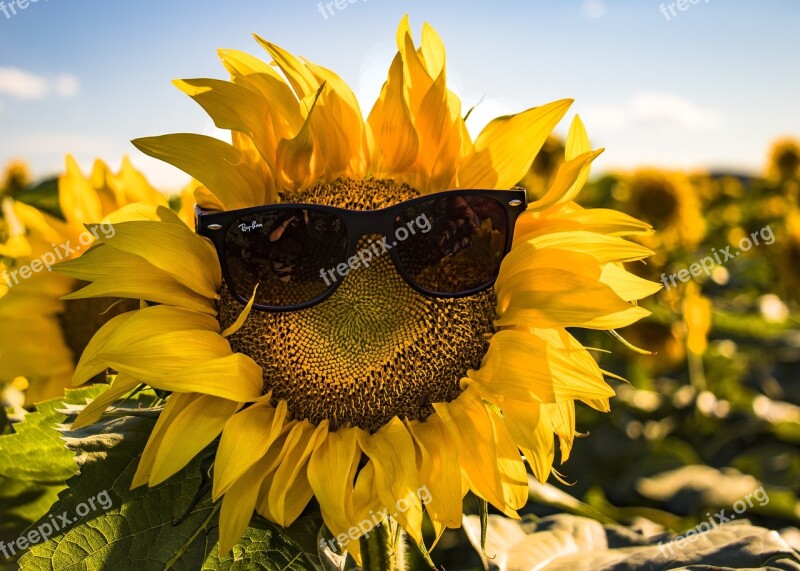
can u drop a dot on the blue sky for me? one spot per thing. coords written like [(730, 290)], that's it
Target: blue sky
[(710, 86)]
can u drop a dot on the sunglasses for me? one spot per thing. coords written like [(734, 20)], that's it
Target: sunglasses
[(448, 244)]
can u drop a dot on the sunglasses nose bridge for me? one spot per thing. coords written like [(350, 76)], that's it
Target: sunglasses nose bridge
[(372, 225)]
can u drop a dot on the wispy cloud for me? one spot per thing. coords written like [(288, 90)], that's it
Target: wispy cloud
[(61, 143), (25, 85), (593, 8), (658, 111)]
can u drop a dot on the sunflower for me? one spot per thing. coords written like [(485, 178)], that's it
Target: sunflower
[(42, 334), (784, 160), (17, 177), (788, 259), (669, 202), (366, 398)]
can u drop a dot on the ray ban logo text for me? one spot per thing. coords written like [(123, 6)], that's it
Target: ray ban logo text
[(249, 227)]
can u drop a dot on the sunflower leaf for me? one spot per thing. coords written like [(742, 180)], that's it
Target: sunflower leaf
[(164, 527), (35, 451), (35, 462)]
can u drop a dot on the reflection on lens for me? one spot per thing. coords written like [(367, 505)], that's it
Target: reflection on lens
[(462, 250), (282, 251)]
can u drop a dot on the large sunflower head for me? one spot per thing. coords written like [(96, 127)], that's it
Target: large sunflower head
[(366, 398), (42, 333)]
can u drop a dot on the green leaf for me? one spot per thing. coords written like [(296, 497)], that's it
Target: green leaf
[(35, 463), (22, 503), (35, 451), (262, 548), (43, 196), (171, 526)]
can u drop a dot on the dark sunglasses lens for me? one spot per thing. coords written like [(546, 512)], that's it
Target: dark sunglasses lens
[(454, 244), (283, 252)]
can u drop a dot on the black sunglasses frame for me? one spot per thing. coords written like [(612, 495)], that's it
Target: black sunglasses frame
[(214, 226)]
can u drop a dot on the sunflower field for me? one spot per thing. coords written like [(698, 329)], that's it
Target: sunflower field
[(549, 368)]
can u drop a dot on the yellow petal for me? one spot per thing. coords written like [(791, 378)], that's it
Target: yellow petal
[(301, 78), (433, 52), (294, 165), (562, 416), (626, 285), (237, 508), (79, 201), (175, 350), (121, 385), (285, 117), (137, 211), (173, 248), (600, 220), (566, 301), (468, 424), (234, 107), (523, 420), (603, 248), (194, 428), (290, 490), (523, 366), (439, 138), (513, 276), (367, 505), (393, 139), (577, 144), (510, 467), (243, 315), (396, 479), (416, 79), (236, 377), (331, 472), (439, 472), (341, 104), (176, 403), (246, 438), (565, 186), (221, 167), (24, 219), (135, 187), (505, 149), (105, 267)]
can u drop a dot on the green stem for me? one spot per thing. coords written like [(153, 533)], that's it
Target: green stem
[(185, 547), (383, 549)]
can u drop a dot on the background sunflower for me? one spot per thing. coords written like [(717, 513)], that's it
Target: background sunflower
[(44, 334)]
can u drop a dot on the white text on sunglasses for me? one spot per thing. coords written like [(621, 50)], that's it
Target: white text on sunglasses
[(364, 256)]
